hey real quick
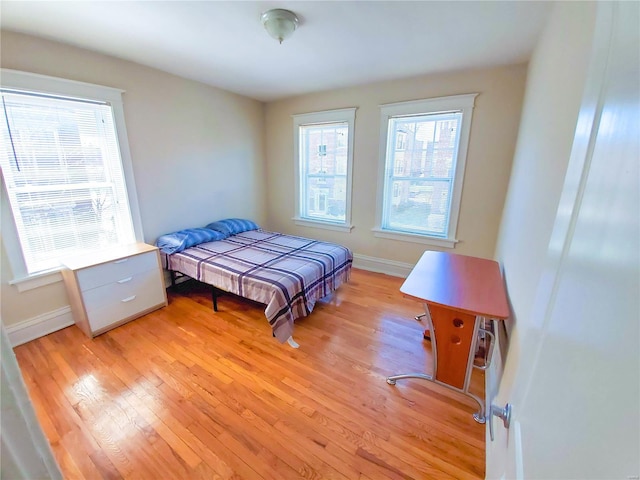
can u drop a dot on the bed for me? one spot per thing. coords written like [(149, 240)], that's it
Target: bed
[(286, 273)]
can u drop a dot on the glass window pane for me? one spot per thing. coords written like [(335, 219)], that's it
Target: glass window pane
[(324, 163), (421, 158), (324, 148), (64, 177), (326, 197), (425, 145), (419, 206)]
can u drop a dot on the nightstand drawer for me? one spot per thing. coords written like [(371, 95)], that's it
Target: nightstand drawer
[(113, 271), (114, 302)]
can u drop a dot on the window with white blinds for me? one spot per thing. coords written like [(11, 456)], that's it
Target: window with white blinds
[(63, 174)]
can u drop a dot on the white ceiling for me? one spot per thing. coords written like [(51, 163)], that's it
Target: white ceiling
[(337, 44)]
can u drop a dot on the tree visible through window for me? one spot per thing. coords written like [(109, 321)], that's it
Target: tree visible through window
[(63, 174)]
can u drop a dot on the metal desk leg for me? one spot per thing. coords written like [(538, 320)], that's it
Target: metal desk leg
[(480, 415), (392, 379), (423, 376)]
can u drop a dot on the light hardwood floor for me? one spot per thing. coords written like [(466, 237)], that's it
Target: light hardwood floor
[(186, 393)]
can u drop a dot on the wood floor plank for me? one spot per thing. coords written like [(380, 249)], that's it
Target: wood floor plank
[(189, 393)]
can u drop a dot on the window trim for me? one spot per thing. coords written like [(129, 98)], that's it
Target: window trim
[(463, 103), (347, 115), (33, 82)]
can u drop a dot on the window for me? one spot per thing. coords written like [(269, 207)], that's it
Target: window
[(323, 145), (401, 140), (62, 170), (422, 156)]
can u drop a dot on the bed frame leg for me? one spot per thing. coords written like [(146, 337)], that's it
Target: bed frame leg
[(172, 273), (214, 297), (293, 343)]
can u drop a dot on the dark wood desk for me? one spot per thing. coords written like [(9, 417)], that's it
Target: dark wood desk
[(460, 294)]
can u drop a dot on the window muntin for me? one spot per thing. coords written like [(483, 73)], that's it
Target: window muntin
[(423, 148), (63, 174), (324, 153)]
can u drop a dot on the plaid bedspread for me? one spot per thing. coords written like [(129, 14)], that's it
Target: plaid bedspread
[(288, 274)]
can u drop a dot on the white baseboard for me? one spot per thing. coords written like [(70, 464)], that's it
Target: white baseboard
[(381, 265), (39, 326), (49, 322)]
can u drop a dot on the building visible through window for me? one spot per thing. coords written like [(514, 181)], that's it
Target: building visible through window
[(323, 160), (63, 174), (325, 166), (423, 165)]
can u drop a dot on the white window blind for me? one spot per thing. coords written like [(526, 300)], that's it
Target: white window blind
[(63, 174)]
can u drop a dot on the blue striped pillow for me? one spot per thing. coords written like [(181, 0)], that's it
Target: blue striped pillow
[(231, 226), (189, 237), (221, 227)]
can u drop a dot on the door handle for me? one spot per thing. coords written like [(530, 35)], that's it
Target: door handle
[(503, 413)]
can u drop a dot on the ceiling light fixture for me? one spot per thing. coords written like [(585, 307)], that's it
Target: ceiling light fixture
[(279, 23)]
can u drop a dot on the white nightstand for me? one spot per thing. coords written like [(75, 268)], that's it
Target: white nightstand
[(114, 286)]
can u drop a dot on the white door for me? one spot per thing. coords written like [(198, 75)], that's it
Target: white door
[(576, 393), (24, 450)]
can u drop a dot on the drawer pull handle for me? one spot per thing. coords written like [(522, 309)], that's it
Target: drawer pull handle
[(125, 280), (128, 299), (122, 260)]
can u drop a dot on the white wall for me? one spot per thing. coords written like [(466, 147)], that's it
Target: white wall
[(491, 146), (197, 151), (554, 89), (555, 84)]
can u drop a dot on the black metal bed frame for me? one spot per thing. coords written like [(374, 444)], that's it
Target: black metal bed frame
[(215, 292)]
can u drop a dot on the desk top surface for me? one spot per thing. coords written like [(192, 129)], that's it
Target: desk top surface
[(469, 284)]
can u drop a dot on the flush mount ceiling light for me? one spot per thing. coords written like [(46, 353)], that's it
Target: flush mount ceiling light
[(279, 23)]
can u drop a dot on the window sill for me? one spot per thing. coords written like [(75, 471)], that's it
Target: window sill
[(37, 280), (414, 238), (336, 227)]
